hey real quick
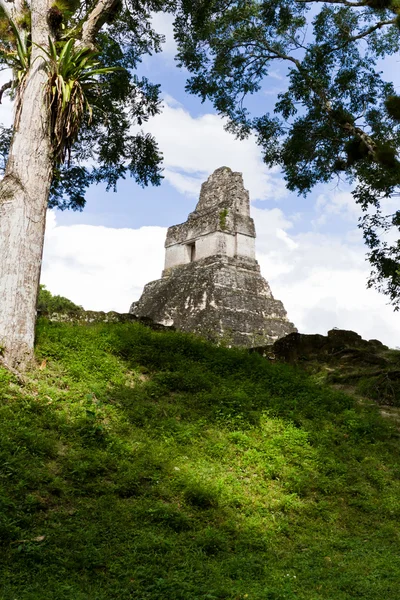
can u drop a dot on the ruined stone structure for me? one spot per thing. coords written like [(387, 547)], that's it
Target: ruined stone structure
[(211, 283)]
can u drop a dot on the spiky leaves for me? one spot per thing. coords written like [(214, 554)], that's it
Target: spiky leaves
[(112, 101), (18, 53), (71, 81), (54, 101)]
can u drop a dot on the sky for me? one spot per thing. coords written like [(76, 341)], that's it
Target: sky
[(310, 250)]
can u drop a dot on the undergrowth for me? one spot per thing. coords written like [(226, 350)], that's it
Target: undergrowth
[(154, 466), (48, 304)]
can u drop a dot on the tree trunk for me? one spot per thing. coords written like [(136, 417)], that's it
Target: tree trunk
[(24, 194)]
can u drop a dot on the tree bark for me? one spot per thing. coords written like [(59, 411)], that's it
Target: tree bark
[(95, 20), (24, 193)]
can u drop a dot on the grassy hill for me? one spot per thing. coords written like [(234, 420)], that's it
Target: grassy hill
[(147, 465)]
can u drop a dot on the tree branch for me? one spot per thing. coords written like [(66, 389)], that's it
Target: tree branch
[(281, 55), (5, 7), (3, 88), (365, 33), (12, 8), (350, 128), (345, 2), (95, 21)]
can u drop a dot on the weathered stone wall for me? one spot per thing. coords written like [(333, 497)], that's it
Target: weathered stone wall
[(211, 283), (218, 299), (220, 224)]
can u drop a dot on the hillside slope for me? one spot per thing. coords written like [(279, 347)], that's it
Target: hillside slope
[(149, 465), (367, 369)]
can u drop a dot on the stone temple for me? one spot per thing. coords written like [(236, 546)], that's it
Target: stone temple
[(211, 283)]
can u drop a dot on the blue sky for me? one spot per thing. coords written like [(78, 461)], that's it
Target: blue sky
[(310, 250), (135, 207)]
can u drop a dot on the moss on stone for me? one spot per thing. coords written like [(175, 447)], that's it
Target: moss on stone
[(222, 218)]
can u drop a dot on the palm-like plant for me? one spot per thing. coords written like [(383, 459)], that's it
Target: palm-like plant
[(22, 56), (72, 76), (16, 51)]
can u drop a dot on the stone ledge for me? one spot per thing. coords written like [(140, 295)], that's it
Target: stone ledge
[(92, 316), (297, 347), (239, 263)]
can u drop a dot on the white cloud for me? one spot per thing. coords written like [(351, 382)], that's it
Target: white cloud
[(338, 204), (194, 147), (273, 91), (276, 75), (162, 22), (320, 279), (101, 268), (184, 183), (6, 106)]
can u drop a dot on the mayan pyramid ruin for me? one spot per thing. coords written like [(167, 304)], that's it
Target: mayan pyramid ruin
[(211, 283)]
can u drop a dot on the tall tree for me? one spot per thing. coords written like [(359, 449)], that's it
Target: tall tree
[(337, 118), (76, 99)]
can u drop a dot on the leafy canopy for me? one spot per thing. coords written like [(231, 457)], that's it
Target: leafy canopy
[(338, 117), (96, 100)]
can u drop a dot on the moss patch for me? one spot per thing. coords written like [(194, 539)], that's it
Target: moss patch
[(222, 218), (153, 465)]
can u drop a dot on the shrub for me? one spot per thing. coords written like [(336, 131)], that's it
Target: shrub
[(48, 304)]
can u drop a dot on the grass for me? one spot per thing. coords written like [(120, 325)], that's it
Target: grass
[(370, 375), (154, 466)]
